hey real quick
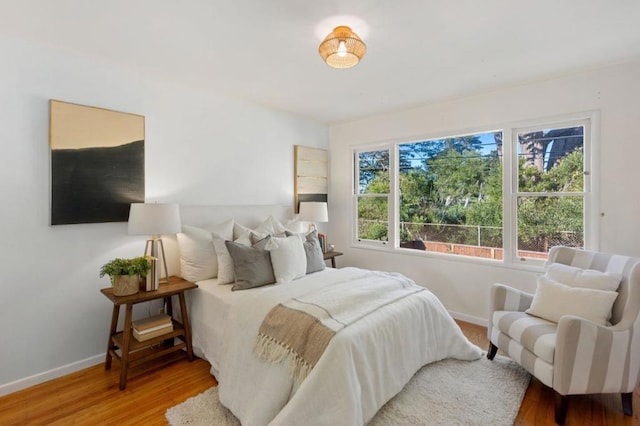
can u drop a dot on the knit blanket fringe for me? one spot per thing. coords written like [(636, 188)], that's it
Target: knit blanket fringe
[(275, 352)]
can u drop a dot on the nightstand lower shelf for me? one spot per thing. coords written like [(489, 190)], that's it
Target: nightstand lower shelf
[(140, 352)]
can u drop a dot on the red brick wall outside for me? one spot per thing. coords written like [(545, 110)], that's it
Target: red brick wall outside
[(475, 251)]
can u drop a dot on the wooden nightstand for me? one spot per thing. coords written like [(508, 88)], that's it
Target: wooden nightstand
[(133, 352), (332, 255)]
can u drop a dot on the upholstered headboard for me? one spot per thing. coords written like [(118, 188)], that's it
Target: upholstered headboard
[(627, 303), (195, 215)]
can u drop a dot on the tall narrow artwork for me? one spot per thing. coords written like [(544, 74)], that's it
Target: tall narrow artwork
[(310, 170), (97, 163)]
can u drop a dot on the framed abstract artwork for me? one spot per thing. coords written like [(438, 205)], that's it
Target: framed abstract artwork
[(97, 163), (310, 175)]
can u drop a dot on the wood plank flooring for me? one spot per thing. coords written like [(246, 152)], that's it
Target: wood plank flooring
[(91, 396)]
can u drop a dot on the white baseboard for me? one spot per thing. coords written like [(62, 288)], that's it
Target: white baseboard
[(468, 318), (45, 376)]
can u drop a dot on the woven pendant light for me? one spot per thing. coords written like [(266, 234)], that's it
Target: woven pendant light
[(342, 48)]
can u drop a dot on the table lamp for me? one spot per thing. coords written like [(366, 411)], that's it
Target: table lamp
[(313, 211), (155, 220)]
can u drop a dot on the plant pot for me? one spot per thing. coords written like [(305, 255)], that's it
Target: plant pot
[(124, 285)]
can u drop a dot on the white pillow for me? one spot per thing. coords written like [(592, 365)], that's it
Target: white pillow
[(295, 225), (226, 272), (584, 278), (198, 259), (553, 300), (261, 231), (270, 226), (278, 228), (288, 258)]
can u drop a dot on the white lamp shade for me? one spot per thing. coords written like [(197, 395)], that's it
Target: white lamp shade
[(313, 211), (154, 219)]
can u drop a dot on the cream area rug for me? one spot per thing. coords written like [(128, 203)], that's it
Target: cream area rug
[(448, 392)]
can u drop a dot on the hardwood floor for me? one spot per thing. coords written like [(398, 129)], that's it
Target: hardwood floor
[(92, 397)]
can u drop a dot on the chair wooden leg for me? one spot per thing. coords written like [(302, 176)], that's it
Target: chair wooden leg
[(561, 408), (627, 403), (493, 349)]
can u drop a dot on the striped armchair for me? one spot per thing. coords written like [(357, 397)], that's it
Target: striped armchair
[(574, 356)]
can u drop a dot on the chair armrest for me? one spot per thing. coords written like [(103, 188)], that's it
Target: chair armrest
[(505, 298), (592, 358)]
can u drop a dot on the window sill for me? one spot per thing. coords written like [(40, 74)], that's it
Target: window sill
[(530, 265)]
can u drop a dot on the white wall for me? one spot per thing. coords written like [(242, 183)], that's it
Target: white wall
[(200, 149), (463, 286)]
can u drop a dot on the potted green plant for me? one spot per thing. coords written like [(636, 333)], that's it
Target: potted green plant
[(126, 274)]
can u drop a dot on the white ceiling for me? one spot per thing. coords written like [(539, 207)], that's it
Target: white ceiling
[(266, 51)]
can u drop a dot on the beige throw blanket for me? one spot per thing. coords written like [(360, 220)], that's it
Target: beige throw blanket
[(300, 329)]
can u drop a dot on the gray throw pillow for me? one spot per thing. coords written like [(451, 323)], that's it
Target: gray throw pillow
[(315, 257), (252, 265), (313, 251)]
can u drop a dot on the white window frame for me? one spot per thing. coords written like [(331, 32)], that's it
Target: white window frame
[(355, 185), (591, 122)]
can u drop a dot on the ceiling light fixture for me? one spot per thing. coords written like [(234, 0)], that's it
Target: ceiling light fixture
[(342, 48)]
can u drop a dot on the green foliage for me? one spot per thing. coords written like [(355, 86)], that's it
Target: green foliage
[(416, 191), (378, 231), (450, 186), (135, 266), (376, 209), (545, 219), (379, 184), (488, 210), (459, 180), (372, 165)]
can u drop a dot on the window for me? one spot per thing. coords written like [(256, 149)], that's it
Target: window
[(507, 194), (451, 194), (550, 189), (372, 195)]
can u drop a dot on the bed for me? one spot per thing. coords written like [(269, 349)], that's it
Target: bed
[(364, 364)]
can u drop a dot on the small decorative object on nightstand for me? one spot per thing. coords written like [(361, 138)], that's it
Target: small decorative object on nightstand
[(126, 274), (129, 350), (331, 255)]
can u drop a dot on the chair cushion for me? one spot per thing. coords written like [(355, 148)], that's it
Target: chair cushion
[(535, 365), (583, 278), (554, 300), (535, 334)]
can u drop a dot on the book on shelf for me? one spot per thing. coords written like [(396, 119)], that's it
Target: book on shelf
[(151, 322), (152, 329), (146, 335)]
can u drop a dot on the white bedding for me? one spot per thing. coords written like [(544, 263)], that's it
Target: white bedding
[(363, 366), (209, 306)]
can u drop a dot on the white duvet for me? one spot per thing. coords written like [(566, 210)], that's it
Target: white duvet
[(364, 365)]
